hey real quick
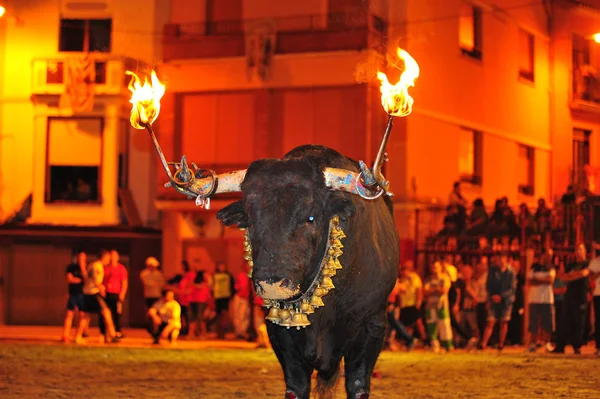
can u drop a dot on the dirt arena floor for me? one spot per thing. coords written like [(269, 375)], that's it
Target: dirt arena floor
[(55, 371)]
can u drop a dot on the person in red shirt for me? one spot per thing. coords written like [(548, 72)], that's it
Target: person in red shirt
[(116, 283)]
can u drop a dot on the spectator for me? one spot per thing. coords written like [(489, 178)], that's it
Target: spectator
[(200, 299), (542, 218), (455, 197), (182, 285), (165, 316), (478, 220), (559, 289), (153, 281), (480, 277), (541, 277), (241, 304), (469, 305), (411, 298), (396, 326), (501, 292), (515, 325), (454, 297), (93, 299), (75, 300), (575, 302), (452, 222), (224, 289), (116, 284), (595, 276), (526, 220), (437, 312)]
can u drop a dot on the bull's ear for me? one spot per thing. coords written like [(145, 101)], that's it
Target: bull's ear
[(234, 214), (342, 207)]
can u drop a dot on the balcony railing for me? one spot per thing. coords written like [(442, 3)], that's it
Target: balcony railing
[(312, 33), (50, 75), (586, 85)]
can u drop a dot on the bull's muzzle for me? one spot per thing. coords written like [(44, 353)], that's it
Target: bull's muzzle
[(279, 289)]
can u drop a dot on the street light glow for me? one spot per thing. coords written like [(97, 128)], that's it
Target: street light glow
[(2, 11), (597, 37)]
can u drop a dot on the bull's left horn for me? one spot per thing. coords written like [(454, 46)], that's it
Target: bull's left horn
[(350, 182), (204, 183)]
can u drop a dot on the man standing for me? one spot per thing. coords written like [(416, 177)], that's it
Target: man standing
[(541, 300), (75, 301), (153, 281), (574, 303), (115, 281), (595, 271), (501, 293), (93, 301)]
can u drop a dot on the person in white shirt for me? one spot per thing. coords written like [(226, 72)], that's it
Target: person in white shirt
[(541, 277), (595, 276), (153, 281), (94, 293), (165, 316)]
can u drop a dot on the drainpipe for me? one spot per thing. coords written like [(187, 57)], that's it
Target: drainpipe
[(549, 9)]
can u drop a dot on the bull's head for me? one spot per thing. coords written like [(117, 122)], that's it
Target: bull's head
[(287, 209)]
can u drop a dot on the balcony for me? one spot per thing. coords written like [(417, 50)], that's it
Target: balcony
[(51, 75), (314, 33)]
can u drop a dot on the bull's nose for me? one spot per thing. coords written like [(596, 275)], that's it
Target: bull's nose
[(275, 288)]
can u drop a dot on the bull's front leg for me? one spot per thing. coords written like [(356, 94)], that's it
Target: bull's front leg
[(296, 370), (360, 358)]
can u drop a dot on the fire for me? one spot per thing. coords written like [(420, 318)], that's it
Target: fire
[(145, 100), (395, 98)]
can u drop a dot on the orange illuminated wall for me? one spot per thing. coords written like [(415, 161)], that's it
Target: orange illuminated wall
[(235, 128)]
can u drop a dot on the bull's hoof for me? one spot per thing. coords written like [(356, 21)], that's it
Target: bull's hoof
[(362, 395), (290, 395)]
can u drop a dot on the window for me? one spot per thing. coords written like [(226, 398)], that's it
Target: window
[(581, 156), (470, 30), (470, 157), (74, 159), (526, 165), (526, 55), (586, 83), (85, 35)]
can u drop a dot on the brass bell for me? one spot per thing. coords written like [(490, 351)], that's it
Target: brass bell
[(327, 283), (319, 292), (287, 322), (331, 252), (300, 320), (284, 315), (341, 233), (337, 252), (242, 229), (337, 243), (331, 263), (306, 308), (249, 274), (335, 219), (273, 315), (329, 272), (267, 303), (248, 256), (337, 264), (251, 263), (316, 301)]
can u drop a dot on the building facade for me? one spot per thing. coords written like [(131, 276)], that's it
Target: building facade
[(73, 174)]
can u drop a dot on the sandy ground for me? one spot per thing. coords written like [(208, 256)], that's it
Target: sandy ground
[(55, 371)]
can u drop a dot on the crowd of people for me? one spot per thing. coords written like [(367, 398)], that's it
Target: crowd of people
[(475, 291), (190, 304), (477, 298)]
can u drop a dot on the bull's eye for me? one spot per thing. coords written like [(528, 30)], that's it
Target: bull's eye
[(310, 219)]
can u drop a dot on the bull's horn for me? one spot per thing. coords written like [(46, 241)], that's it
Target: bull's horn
[(350, 182), (205, 183)]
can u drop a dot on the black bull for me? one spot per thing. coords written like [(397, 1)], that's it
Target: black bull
[(287, 207)]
